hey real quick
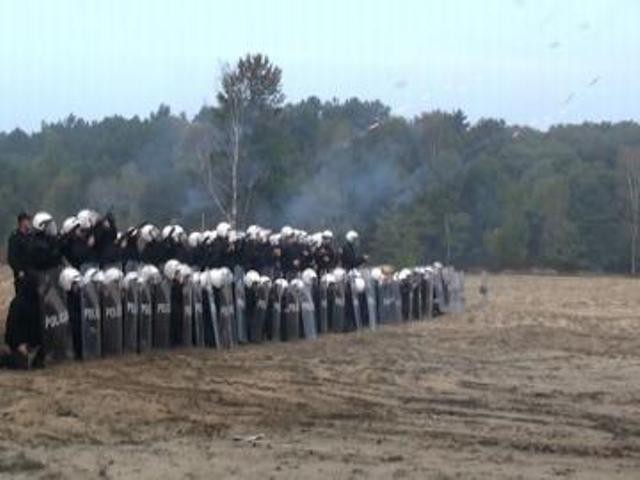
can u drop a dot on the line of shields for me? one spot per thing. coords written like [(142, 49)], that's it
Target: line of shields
[(101, 319)]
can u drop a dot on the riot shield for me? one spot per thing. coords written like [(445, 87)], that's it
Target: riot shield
[(438, 295), (145, 317), (240, 305), (372, 296), (338, 313), (57, 339), (415, 301), (198, 316), (226, 316), (262, 303), (352, 308), (397, 301), (323, 308), (90, 321), (210, 317), (275, 313), (308, 313), (131, 311), (291, 328), (162, 315), (405, 299), (111, 319), (186, 332)]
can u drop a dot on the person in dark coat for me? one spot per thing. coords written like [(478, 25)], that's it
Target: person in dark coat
[(17, 250), (325, 256), (351, 257)]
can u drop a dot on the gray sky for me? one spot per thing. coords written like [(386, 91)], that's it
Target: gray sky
[(529, 62)]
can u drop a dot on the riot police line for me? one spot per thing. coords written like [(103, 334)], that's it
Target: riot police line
[(102, 313), (101, 292)]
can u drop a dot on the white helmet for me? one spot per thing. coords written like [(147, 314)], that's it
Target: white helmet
[(286, 231), (227, 276), (251, 278), (113, 275), (195, 239), (327, 234), (328, 278), (309, 276), (297, 284), (129, 279), (351, 236), (150, 274), (149, 232), (265, 280), (437, 265), (183, 273), (69, 225), (88, 218), (281, 282), (170, 269), (223, 229), (216, 278), (359, 284), (196, 278), (404, 274), (68, 277), (274, 239), (339, 274), (376, 273), (209, 236), (44, 222)]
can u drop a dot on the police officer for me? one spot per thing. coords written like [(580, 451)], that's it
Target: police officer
[(351, 257), (17, 251)]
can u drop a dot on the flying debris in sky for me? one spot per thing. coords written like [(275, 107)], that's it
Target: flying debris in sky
[(584, 26), (373, 126), (554, 44), (594, 81), (515, 134), (400, 84), (569, 98)]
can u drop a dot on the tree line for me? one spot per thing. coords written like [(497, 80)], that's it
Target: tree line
[(432, 187)]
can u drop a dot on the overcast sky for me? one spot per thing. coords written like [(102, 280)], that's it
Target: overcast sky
[(533, 62)]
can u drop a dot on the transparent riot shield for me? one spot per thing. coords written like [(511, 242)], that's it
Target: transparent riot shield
[(162, 315), (308, 312), (291, 330), (198, 316), (111, 319), (275, 312), (90, 321), (57, 339), (211, 318), (338, 313), (145, 316), (323, 308), (186, 334), (240, 305), (226, 320), (131, 311)]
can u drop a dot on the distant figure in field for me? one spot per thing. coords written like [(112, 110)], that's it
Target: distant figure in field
[(484, 288)]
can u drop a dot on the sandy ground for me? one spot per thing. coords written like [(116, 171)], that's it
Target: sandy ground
[(542, 383)]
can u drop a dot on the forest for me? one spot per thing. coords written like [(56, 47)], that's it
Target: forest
[(432, 187)]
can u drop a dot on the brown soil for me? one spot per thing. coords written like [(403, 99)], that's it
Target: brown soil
[(544, 382)]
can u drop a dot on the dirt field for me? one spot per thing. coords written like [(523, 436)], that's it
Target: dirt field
[(544, 383)]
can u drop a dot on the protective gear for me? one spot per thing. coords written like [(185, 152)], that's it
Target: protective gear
[(376, 274), (183, 273), (251, 278), (44, 222), (150, 274), (149, 233), (351, 236), (129, 279), (113, 276), (216, 277), (286, 231), (88, 218), (69, 277), (297, 284), (339, 274), (195, 239), (359, 284), (329, 279), (281, 282), (171, 269), (227, 275), (437, 265), (223, 229), (309, 276), (69, 225)]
